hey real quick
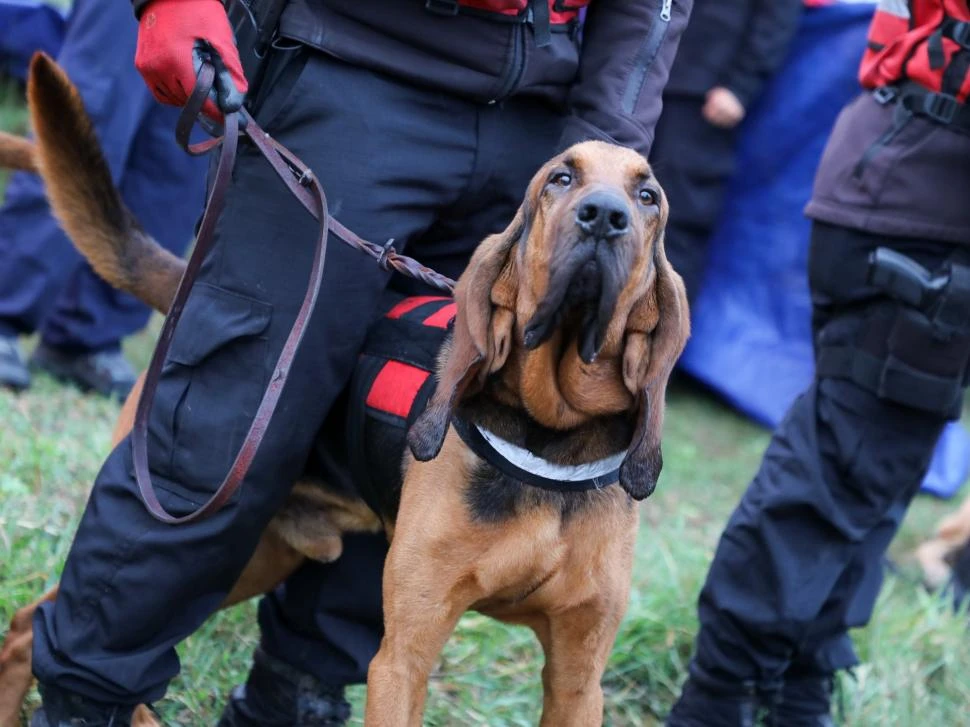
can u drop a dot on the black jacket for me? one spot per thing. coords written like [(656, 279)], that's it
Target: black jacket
[(612, 88), (737, 44)]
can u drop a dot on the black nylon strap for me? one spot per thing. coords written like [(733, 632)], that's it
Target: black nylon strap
[(956, 72), (891, 379), (474, 440), (934, 49), (943, 108), (420, 349), (956, 30), (541, 23)]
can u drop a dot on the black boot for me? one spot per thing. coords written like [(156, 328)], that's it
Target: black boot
[(715, 706), (277, 695), (106, 372), (13, 371), (803, 702), (65, 709)]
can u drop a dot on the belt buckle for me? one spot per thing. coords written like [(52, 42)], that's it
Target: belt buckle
[(941, 107)]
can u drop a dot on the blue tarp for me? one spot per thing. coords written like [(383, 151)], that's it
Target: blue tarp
[(752, 337), (27, 26)]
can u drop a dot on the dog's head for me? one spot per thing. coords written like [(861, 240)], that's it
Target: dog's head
[(574, 308)]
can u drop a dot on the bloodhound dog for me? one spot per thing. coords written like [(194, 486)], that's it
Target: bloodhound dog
[(567, 327)]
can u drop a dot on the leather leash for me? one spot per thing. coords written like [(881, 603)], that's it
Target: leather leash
[(302, 183)]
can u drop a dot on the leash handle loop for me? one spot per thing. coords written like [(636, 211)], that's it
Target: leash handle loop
[(192, 110)]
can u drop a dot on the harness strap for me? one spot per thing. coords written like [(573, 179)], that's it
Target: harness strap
[(541, 22), (306, 188), (956, 30), (523, 466), (943, 108)]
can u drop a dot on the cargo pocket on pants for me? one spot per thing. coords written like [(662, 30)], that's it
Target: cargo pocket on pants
[(212, 383)]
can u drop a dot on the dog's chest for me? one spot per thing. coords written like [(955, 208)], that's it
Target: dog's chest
[(360, 447)]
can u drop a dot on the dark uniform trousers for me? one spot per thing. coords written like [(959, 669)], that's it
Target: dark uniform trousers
[(693, 160), (800, 561), (45, 285), (434, 172)]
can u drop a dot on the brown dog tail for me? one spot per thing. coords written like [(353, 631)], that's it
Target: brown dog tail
[(83, 196), (16, 152)]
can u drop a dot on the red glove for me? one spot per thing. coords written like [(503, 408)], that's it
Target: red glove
[(174, 37)]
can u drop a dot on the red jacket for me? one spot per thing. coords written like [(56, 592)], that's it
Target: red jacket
[(919, 40)]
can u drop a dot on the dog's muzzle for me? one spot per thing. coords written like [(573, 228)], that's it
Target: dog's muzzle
[(588, 277)]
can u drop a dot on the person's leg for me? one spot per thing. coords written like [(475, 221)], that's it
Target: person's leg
[(326, 620), (132, 588), (805, 696), (693, 161), (36, 258), (798, 563)]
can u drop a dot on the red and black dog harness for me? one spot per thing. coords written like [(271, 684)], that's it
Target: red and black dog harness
[(361, 446)]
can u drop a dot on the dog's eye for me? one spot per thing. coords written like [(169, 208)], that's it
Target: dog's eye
[(562, 179), (648, 197)]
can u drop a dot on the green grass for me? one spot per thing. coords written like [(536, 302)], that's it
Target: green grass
[(916, 667), (13, 115), (916, 664)]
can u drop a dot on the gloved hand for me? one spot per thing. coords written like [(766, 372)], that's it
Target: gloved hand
[(174, 37)]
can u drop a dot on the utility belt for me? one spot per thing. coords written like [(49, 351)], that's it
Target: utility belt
[(915, 353), (941, 108), (254, 24)]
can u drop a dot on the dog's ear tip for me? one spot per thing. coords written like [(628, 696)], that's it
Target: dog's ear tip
[(639, 476), (425, 438)]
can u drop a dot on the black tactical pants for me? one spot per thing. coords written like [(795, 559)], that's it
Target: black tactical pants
[(800, 561), (694, 161), (432, 171)]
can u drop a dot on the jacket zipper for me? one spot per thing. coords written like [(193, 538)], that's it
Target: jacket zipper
[(645, 58), (516, 66)]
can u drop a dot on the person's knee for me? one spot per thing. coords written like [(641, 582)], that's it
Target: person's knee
[(890, 318)]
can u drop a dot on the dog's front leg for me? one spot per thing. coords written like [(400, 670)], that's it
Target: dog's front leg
[(428, 584), (419, 616), (577, 643)]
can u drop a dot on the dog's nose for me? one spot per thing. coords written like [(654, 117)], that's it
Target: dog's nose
[(602, 214)]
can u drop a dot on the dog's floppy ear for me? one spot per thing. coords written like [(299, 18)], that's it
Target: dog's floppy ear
[(649, 358), (484, 322)]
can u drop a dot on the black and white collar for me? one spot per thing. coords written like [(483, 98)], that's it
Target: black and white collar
[(522, 465)]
